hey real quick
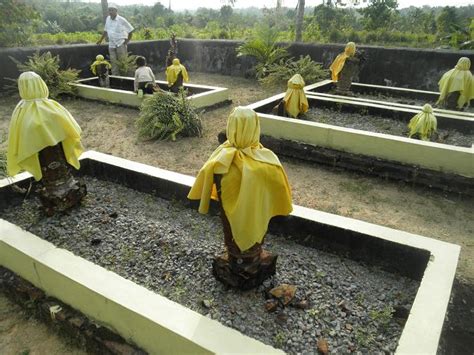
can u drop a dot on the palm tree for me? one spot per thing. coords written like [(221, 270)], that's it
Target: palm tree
[(263, 46), (299, 21), (105, 9)]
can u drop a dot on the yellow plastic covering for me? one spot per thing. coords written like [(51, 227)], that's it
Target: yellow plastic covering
[(295, 98), (173, 70), (254, 186), (423, 123), (458, 79), (99, 60), (338, 64), (38, 122)]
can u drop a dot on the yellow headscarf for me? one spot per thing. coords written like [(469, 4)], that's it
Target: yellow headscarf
[(173, 70), (338, 64), (423, 123), (99, 60), (295, 98), (458, 79), (254, 186), (38, 122)]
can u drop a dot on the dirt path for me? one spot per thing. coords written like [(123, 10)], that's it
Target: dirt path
[(110, 129), (22, 334)]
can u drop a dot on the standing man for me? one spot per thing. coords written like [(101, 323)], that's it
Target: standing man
[(119, 32)]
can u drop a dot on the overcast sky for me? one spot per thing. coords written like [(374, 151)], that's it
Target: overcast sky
[(216, 4)]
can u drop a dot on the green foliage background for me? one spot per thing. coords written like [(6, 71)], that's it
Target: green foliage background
[(49, 22)]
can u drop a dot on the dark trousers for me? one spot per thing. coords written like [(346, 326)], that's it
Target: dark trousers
[(146, 86)]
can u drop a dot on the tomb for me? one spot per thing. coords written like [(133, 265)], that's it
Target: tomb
[(121, 92), (157, 324), (387, 95), (372, 137)]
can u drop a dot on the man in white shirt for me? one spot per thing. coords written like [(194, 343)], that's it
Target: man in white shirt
[(119, 32)]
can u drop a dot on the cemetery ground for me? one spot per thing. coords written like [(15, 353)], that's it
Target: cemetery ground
[(111, 129)]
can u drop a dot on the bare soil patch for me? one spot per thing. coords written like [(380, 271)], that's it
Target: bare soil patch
[(110, 129), (21, 333)]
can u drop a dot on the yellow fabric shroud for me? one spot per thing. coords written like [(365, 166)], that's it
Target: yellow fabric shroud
[(338, 63), (38, 122), (173, 71), (295, 98), (423, 123), (458, 79), (99, 60), (254, 186)]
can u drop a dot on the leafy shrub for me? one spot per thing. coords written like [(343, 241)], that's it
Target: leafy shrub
[(166, 116), (279, 73), (126, 65), (47, 66)]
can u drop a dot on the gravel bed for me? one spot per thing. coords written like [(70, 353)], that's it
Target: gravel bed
[(379, 124), (169, 249)]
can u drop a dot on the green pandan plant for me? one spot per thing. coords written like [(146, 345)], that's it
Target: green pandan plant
[(168, 116), (47, 66)]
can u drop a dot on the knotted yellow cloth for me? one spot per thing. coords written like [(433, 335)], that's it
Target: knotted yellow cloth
[(338, 64), (38, 122), (295, 98), (173, 71), (423, 123), (99, 60), (458, 79), (254, 186)]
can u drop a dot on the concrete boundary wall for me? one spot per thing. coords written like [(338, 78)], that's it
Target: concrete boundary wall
[(159, 325), (406, 67)]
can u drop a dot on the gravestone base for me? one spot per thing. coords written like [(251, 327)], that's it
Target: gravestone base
[(244, 274), (59, 190)]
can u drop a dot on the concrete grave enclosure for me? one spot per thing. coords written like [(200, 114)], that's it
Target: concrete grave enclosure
[(448, 167), (201, 96), (146, 319)]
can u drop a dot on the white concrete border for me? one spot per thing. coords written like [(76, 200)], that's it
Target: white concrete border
[(213, 96), (159, 325)]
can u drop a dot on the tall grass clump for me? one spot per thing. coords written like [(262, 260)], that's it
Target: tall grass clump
[(47, 66), (168, 116)]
